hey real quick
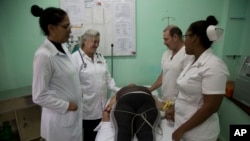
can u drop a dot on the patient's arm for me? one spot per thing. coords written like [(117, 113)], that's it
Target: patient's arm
[(108, 108), (111, 103), (105, 116)]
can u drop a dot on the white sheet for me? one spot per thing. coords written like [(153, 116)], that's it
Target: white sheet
[(106, 132)]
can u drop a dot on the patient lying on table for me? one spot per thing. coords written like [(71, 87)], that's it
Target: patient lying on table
[(134, 116)]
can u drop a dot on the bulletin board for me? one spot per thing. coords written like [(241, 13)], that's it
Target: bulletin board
[(114, 19)]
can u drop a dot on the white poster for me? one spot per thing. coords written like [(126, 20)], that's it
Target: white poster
[(114, 19)]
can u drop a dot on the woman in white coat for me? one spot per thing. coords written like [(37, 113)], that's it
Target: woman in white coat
[(56, 85), (201, 85), (95, 80)]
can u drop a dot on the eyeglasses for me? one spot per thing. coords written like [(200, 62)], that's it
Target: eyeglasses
[(67, 27), (185, 36)]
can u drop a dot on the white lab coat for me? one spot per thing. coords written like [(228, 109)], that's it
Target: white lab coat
[(95, 80), (171, 69), (208, 75), (55, 84)]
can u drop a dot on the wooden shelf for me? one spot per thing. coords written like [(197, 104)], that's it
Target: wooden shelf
[(16, 105)]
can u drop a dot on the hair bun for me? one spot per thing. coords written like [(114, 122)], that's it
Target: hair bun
[(211, 20), (36, 10)]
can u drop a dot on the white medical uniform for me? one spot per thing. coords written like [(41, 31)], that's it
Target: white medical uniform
[(171, 68), (208, 75), (95, 79), (55, 84)]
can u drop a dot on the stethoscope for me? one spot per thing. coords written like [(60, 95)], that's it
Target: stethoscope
[(84, 63)]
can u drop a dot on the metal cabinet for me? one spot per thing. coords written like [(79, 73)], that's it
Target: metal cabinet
[(242, 83)]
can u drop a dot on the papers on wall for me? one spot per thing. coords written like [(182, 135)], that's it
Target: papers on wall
[(114, 19)]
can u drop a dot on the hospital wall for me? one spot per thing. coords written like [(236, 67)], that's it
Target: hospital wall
[(21, 36)]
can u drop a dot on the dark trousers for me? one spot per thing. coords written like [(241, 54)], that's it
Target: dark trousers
[(88, 129), (130, 122)]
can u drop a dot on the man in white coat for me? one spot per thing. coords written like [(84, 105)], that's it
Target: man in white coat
[(173, 62)]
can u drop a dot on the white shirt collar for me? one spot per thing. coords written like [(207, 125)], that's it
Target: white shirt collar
[(52, 48), (203, 58)]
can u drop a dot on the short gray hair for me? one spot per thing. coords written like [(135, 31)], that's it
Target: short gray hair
[(90, 33)]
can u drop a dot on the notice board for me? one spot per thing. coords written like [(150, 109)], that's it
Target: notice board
[(114, 19)]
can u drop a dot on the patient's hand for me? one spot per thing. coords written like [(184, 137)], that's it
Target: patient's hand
[(111, 103), (108, 108), (105, 116)]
